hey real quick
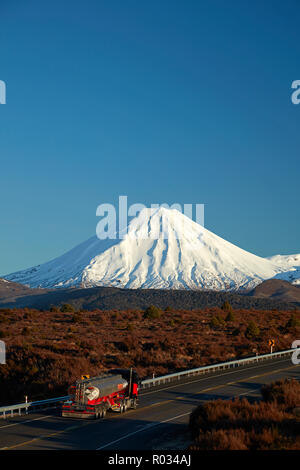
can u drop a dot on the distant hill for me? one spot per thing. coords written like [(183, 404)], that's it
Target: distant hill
[(14, 295), (278, 290), (11, 290)]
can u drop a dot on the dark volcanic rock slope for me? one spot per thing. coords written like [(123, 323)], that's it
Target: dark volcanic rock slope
[(107, 298)]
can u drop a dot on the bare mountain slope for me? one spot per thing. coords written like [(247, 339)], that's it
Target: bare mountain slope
[(277, 289)]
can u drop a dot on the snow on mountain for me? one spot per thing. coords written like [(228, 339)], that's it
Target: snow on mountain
[(290, 264), (285, 261), (184, 256), (292, 276)]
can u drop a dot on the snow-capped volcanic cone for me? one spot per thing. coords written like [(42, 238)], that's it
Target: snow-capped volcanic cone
[(185, 256)]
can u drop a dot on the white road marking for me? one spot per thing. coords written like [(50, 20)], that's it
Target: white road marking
[(23, 422), (248, 392), (145, 428)]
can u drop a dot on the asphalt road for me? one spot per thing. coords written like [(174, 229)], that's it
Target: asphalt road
[(159, 422)]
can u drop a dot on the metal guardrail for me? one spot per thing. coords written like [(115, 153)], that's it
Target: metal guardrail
[(212, 368), (35, 405), (30, 405)]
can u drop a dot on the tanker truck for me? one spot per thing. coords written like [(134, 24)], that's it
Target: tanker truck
[(116, 390)]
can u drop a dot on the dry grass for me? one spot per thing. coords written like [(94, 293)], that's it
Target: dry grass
[(239, 425)]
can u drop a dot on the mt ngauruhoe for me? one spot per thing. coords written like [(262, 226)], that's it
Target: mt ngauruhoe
[(162, 248)]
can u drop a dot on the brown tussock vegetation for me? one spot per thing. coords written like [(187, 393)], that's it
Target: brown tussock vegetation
[(239, 425)]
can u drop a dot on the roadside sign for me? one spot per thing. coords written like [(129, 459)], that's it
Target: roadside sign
[(271, 344)]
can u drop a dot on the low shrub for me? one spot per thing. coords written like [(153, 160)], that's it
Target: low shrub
[(152, 312)]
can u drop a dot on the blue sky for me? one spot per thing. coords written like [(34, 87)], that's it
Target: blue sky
[(163, 101)]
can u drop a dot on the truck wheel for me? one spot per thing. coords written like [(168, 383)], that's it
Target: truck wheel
[(103, 413), (134, 404)]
